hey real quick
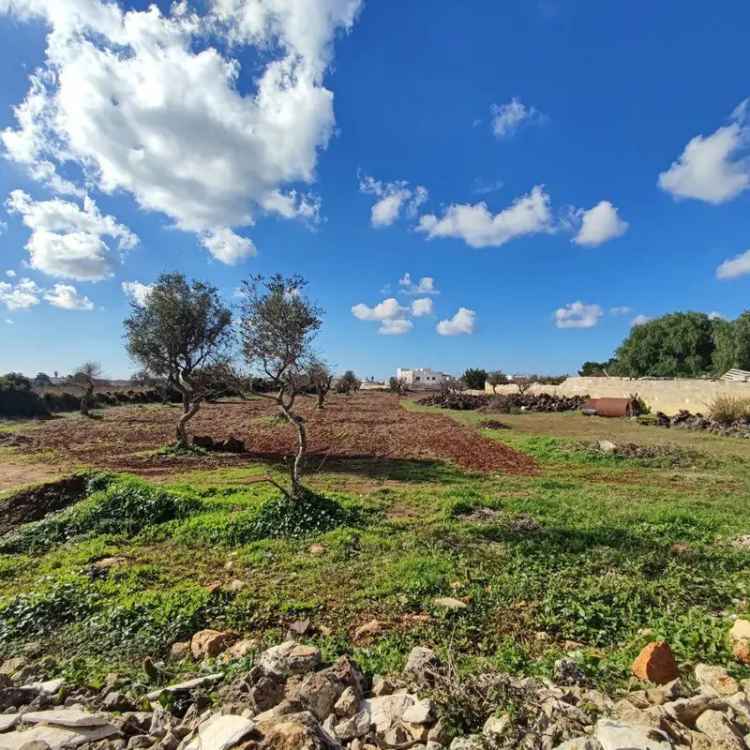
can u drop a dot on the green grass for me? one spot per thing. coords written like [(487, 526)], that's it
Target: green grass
[(604, 551)]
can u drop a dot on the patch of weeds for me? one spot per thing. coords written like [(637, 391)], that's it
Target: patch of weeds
[(146, 622), (124, 506), (39, 613), (278, 518)]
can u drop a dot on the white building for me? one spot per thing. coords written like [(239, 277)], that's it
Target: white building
[(422, 376)]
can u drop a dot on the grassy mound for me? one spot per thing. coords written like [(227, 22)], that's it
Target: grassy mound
[(114, 506)]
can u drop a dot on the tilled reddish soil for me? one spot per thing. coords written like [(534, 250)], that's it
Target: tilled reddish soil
[(362, 426)]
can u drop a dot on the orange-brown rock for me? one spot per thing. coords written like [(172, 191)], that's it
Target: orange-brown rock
[(656, 664), (210, 643)]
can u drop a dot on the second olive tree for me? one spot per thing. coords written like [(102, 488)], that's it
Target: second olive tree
[(277, 327)]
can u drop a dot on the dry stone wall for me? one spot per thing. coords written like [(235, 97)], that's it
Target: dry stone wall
[(669, 396)]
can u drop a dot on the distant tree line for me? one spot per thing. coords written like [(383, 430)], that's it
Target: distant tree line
[(679, 345)]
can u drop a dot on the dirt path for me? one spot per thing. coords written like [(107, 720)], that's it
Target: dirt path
[(15, 475)]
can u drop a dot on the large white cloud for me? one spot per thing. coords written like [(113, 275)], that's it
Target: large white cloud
[(578, 315), (67, 239), (713, 168), (599, 224), (142, 102), (392, 199), (389, 313), (136, 291), (734, 267), (67, 297), (478, 227), (508, 118), (19, 296), (461, 323)]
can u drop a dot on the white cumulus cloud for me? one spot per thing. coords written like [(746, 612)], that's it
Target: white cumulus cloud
[(11, 274), (425, 285), (392, 199), (462, 322), (421, 307), (20, 296), (67, 297), (713, 168), (157, 106), (388, 309), (599, 224), (578, 315), (136, 291), (734, 267), (478, 227), (66, 239), (508, 118), (640, 320), (395, 327)]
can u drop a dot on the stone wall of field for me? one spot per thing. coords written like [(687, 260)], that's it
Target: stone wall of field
[(668, 396)]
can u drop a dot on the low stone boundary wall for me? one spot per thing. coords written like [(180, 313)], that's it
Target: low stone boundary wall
[(669, 396)]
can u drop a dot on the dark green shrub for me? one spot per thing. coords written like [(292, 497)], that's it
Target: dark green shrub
[(17, 399)]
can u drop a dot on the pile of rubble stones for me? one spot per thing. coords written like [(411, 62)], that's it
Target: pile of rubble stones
[(290, 700), (687, 421)]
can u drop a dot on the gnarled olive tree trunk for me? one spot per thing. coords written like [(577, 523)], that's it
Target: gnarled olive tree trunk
[(190, 407), (286, 405)]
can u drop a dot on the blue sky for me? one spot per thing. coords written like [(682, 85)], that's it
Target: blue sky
[(558, 170)]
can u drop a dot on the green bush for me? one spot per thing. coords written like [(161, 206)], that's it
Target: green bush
[(17, 399), (123, 506)]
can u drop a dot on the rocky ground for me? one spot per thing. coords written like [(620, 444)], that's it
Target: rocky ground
[(288, 699)]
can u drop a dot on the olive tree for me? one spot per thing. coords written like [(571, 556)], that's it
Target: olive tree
[(497, 378), (320, 379), (86, 376), (277, 327), (182, 332), (348, 382)]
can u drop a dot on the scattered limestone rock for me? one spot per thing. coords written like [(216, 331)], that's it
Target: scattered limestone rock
[(656, 663), (717, 727), (10, 666), (180, 650), (187, 686), (370, 629), (421, 712), (580, 743), (421, 664), (715, 680), (617, 735), (240, 650), (221, 733), (8, 721), (448, 602), (48, 687), (739, 636), (299, 732), (353, 727), (210, 643), (496, 726), (387, 709), (317, 549), (66, 717), (55, 737), (289, 658), (347, 704)]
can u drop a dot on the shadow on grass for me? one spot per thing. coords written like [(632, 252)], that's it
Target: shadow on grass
[(371, 467)]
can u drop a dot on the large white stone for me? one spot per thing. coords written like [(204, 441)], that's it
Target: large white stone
[(49, 687), (617, 735), (220, 733), (188, 685), (580, 743), (8, 721), (56, 737), (386, 709), (66, 717)]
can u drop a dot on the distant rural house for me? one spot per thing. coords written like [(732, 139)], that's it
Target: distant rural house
[(422, 377)]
